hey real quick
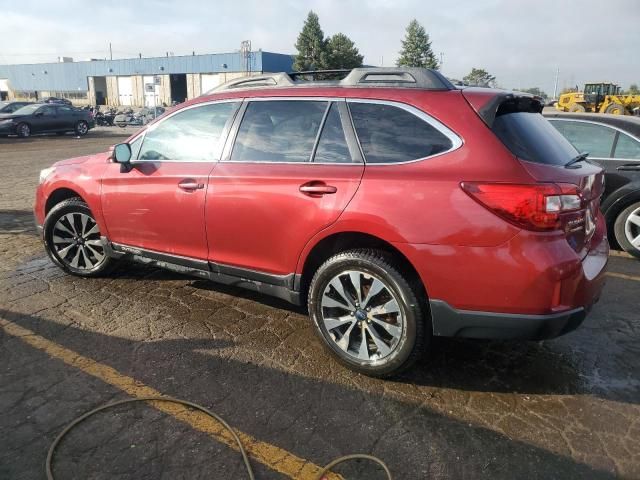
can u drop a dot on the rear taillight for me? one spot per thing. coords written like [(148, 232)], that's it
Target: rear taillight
[(533, 207)]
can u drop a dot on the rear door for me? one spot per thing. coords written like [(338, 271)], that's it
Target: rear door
[(289, 170)]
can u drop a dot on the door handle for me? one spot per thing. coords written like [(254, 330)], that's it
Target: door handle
[(190, 185), (317, 188)]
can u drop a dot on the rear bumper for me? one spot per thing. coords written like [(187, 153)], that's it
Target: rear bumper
[(450, 322)]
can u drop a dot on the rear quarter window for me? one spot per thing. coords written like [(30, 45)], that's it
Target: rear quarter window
[(390, 134), (529, 136)]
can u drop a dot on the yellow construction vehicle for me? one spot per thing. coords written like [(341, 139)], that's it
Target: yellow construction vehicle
[(600, 98)]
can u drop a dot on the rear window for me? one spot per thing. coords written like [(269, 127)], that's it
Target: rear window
[(390, 134), (530, 137)]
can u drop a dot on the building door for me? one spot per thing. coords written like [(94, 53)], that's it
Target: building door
[(209, 81), (4, 88), (125, 90), (178, 84)]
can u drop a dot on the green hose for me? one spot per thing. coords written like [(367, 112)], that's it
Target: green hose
[(245, 457)]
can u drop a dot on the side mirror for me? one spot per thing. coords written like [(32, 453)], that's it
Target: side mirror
[(122, 155), (39, 114)]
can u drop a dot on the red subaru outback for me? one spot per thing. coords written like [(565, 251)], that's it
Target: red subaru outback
[(395, 205)]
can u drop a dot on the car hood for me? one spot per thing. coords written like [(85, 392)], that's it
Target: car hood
[(9, 116), (97, 158)]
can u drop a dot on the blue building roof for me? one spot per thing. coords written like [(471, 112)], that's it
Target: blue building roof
[(72, 76)]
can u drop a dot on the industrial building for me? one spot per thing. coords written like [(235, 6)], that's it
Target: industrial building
[(134, 81)]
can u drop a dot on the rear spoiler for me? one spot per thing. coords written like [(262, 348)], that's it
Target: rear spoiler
[(490, 103)]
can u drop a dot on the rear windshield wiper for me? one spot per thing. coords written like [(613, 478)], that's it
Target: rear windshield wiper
[(578, 158)]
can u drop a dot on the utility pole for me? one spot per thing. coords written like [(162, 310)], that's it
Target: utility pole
[(110, 52), (555, 85)]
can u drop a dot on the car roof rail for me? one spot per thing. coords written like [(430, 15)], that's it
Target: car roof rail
[(397, 77)]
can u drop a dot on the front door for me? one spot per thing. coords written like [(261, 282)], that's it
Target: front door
[(289, 174), (159, 204), (45, 119)]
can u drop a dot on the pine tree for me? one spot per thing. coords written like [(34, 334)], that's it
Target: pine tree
[(311, 46), (342, 53), (416, 48), (479, 77)]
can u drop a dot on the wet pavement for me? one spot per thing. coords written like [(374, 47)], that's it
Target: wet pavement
[(566, 408)]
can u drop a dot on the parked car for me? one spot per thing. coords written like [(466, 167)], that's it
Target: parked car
[(60, 101), (46, 118), (394, 205), (9, 106), (614, 142)]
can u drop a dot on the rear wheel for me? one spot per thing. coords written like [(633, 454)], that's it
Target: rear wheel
[(627, 229), (367, 313), (72, 239), (81, 128), (577, 108), (23, 130), (615, 109)]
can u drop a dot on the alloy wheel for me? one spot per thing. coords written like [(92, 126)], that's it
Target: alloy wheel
[(632, 228), (362, 316), (76, 241)]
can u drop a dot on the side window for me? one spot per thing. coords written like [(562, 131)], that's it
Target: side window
[(389, 134), (194, 134), (64, 110), (332, 146), (278, 131), (627, 147), (587, 137), (48, 111)]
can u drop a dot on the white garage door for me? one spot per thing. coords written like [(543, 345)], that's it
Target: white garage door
[(209, 81), (4, 85), (151, 92), (125, 90)]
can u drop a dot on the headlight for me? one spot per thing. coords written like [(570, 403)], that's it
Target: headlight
[(45, 173)]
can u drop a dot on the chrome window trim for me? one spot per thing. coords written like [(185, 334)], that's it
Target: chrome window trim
[(593, 122), (162, 120), (456, 141)]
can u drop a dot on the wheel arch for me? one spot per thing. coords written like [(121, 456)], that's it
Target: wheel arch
[(338, 242), (60, 195)]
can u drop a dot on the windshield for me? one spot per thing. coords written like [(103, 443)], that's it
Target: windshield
[(531, 137), (27, 110)]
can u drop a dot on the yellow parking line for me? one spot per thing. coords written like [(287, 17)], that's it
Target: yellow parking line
[(273, 457), (622, 275)]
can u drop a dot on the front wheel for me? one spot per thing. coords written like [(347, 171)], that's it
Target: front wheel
[(81, 128), (72, 239), (367, 313), (23, 130), (627, 229)]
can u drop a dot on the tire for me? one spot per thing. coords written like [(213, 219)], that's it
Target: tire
[(615, 109), (577, 108), (72, 240), (81, 128), (23, 130), (393, 343), (627, 229)]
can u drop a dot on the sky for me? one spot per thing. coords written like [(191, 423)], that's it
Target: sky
[(522, 43)]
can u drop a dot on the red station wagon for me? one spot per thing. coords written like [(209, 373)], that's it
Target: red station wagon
[(394, 205)]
